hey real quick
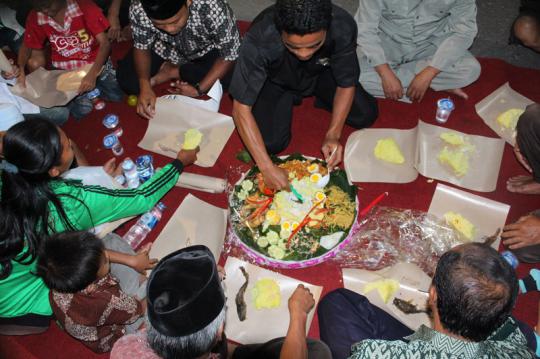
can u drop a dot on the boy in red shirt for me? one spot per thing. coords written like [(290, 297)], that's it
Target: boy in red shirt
[(75, 33)]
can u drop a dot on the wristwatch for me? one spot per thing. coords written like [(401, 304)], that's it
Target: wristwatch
[(199, 92)]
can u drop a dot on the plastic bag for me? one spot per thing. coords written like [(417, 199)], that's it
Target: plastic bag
[(391, 235)]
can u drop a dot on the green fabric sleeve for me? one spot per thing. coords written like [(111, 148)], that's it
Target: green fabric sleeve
[(89, 206)]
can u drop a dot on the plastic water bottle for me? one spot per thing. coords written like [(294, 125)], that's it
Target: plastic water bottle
[(130, 173), (138, 232), (145, 167)]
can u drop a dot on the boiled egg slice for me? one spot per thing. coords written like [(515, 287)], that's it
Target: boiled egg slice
[(315, 177), (313, 168), (272, 217), (286, 226), (320, 196)]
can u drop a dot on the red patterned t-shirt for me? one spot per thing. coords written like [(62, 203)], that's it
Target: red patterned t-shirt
[(74, 44)]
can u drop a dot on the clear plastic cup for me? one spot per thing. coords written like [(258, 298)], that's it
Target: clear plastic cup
[(112, 142), (445, 106), (112, 122)]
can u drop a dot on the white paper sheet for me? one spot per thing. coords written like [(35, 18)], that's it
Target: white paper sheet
[(165, 133), (484, 162), (361, 164), (194, 222), (414, 284), (485, 214), (215, 93), (260, 325), (420, 147), (500, 100), (41, 89)]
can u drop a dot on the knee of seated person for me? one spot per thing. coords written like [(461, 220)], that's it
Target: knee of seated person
[(473, 69), (318, 348), (365, 117), (35, 63), (527, 30), (81, 110), (330, 299), (276, 147), (112, 93)]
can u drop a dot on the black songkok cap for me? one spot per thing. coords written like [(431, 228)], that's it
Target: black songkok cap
[(184, 292), (162, 9)]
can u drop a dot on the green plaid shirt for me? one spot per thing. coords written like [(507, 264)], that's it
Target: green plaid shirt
[(506, 343)]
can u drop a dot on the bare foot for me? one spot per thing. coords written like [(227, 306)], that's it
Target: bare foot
[(166, 72), (523, 184), (459, 93)]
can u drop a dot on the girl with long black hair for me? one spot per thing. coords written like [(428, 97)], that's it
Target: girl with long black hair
[(35, 202)]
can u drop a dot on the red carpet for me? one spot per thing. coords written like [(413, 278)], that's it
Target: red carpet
[(308, 129)]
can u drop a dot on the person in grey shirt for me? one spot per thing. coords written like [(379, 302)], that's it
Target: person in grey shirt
[(407, 46)]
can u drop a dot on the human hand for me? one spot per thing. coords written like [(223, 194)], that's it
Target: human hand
[(88, 82), (392, 87), (111, 168), (301, 301), (141, 261), (146, 103), (183, 88), (332, 151), (21, 79), (187, 157), (14, 72), (419, 85), (115, 30), (524, 233), (276, 178)]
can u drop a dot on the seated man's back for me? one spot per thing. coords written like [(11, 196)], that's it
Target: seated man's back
[(471, 297)]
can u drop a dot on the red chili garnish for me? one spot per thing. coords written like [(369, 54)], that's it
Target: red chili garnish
[(269, 192), (305, 221), (321, 210), (261, 209), (253, 201)]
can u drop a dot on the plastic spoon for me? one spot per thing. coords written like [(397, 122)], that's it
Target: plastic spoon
[(297, 195), (326, 178)]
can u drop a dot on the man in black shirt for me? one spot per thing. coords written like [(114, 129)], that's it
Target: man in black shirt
[(294, 49)]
